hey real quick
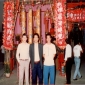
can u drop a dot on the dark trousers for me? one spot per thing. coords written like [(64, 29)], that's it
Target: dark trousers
[(37, 71), (68, 70)]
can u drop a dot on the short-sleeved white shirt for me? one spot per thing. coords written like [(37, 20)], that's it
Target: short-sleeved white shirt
[(49, 51), (77, 50), (68, 52)]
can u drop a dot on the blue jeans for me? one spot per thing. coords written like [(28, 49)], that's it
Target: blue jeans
[(37, 71), (49, 70), (77, 65)]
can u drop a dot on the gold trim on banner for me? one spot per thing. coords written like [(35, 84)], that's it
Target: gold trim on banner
[(38, 21), (30, 26), (23, 19)]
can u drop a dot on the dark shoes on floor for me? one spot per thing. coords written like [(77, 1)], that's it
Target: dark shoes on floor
[(75, 79), (67, 84), (80, 77)]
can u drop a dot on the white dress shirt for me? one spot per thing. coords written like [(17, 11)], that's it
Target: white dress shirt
[(49, 52), (22, 52), (77, 50), (68, 52), (36, 52)]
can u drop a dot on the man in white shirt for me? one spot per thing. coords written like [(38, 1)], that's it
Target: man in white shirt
[(22, 56), (36, 54), (77, 53), (49, 51), (68, 61)]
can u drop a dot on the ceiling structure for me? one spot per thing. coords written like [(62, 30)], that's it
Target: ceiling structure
[(74, 1), (44, 1), (49, 1), (35, 2)]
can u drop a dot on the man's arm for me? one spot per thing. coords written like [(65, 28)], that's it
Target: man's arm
[(44, 51), (30, 51), (81, 49), (66, 51), (54, 49), (17, 54)]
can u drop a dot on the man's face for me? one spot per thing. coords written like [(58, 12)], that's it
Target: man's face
[(24, 38), (48, 39), (36, 38)]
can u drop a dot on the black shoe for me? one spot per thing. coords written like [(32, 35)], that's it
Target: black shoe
[(75, 79), (80, 77)]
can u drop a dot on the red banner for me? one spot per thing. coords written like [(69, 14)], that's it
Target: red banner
[(76, 15), (8, 25), (60, 22)]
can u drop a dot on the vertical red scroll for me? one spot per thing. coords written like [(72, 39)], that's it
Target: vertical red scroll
[(8, 25), (60, 22)]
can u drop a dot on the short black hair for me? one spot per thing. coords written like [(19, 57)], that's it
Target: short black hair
[(53, 39), (36, 34), (67, 41), (77, 42), (48, 34), (24, 35)]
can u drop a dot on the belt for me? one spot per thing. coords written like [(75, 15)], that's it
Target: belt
[(24, 59), (36, 62)]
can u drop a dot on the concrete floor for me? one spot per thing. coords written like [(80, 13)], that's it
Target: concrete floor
[(60, 80)]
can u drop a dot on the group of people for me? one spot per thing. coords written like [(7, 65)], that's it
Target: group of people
[(77, 49), (41, 58)]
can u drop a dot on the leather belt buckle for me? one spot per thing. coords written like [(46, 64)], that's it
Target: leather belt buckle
[(24, 59)]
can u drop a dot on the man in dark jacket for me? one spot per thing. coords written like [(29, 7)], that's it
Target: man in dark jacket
[(36, 53)]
